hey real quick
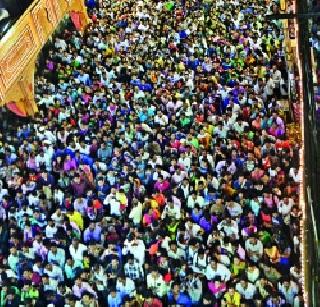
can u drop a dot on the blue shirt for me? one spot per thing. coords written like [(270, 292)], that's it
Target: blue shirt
[(59, 257), (91, 4), (183, 34), (114, 301), (182, 299)]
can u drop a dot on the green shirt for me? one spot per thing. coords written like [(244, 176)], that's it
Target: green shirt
[(184, 121), (195, 143), (29, 294), (169, 5)]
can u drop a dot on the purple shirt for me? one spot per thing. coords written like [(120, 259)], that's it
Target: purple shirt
[(94, 234)]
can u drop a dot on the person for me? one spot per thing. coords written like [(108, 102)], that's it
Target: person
[(231, 297), (125, 286), (150, 301), (114, 298), (175, 296), (155, 283)]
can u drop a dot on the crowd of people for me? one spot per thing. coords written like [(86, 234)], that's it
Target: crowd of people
[(158, 171)]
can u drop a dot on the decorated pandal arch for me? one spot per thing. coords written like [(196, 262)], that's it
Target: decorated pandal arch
[(20, 47)]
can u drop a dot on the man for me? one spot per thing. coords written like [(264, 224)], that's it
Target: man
[(77, 250), (57, 255), (218, 269), (125, 286), (12, 299), (246, 289), (177, 297), (114, 298), (155, 283), (254, 249), (133, 269), (92, 233), (200, 262), (289, 290), (87, 300), (150, 301), (231, 298)]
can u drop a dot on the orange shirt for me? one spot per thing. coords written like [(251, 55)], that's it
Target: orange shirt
[(160, 199)]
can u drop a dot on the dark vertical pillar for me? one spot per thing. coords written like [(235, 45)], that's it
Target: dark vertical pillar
[(312, 157)]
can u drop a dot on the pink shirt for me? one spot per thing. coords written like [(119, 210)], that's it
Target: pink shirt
[(215, 288), (162, 186), (69, 164)]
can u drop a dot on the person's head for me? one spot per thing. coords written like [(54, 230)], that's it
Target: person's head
[(11, 295), (70, 300), (214, 264), (53, 247), (122, 278), (176, 288), (154, 272), (113, 292), (253, 240), (244, 282), (86, 297), (231, 290), (131, 259), (75, 242), (62, 287), (286, 283)]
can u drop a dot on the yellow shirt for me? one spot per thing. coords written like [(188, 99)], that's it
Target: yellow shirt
[(154, 204), (109, 51), (77, 219), (232, 300), (160, 61), (122, 198), (181, 66), (196, 183)]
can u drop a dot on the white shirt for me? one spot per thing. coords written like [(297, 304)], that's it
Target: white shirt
[(57, 219), (126, 289), (221, 271), (199, 264), (156, 284), (234, 210), (293, 175), (136, 214), (55, 273), (253, 275), (51, 231), (186, 190), (77, 254), (194, 229), (45, 159), (186, 162), (247, 292), (284, 208), (191, 201), (138, 251), (229, 230), (177, 178), (173, 212), (255, 248), (161, 120), (3, 192), (114, 206)]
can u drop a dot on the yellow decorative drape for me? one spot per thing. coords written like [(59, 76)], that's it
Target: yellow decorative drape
[(20, 47)]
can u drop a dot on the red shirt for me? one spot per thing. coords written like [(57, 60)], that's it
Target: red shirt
[(154, 303)]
